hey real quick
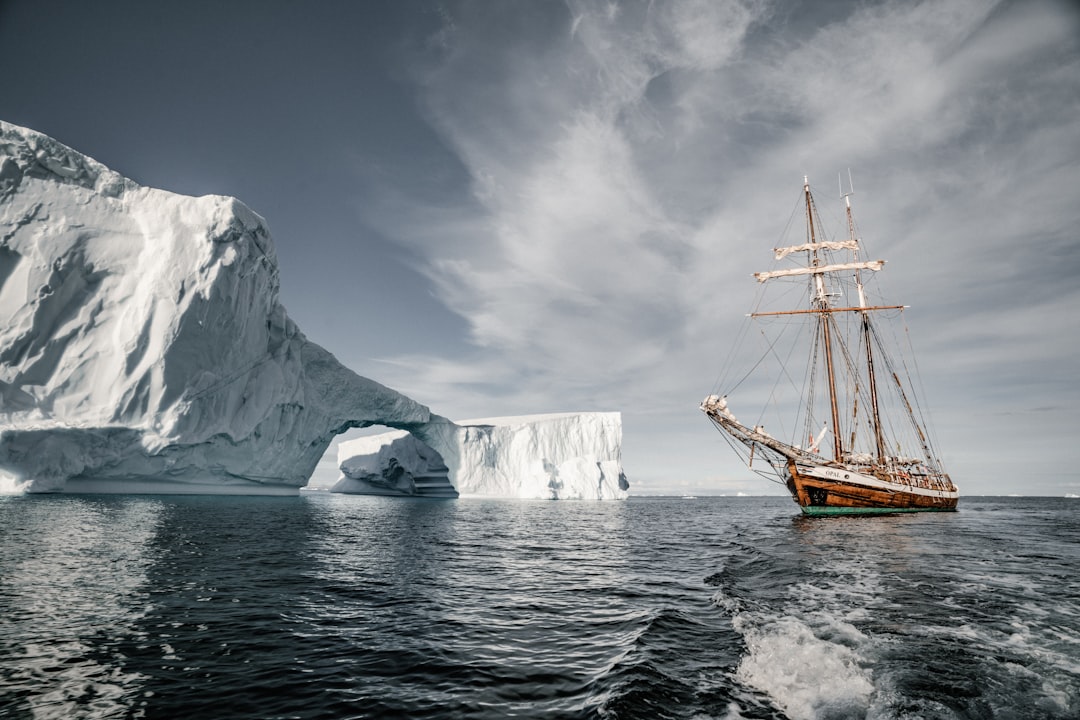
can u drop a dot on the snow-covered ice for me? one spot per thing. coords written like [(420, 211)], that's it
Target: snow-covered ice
[(142, 344), (555, 456), (143, 349), (391, 463)]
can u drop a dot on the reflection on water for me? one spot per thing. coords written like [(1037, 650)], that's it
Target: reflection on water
[(484, 582), (324, 606), (72, 588)]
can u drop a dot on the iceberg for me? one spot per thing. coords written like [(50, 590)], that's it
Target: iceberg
[(553, 456), (142, 344), (143, 349)]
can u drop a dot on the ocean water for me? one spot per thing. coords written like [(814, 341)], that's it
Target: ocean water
[(325, 606)]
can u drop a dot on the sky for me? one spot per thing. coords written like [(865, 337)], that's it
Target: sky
[(509, 207)]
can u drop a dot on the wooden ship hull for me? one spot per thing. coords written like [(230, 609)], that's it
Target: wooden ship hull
[(838, 490), (822, 487)]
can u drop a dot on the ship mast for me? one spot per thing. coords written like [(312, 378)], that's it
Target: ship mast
[(822, 301), (879, 440), (863, 475), (818, 265)]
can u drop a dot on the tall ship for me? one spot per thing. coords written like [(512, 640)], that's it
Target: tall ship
[(853, 434)]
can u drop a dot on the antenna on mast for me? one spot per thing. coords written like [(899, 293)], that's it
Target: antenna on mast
[(851, 185)]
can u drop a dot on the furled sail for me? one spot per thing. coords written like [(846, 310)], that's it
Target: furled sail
[(783, 252), (868, 265)]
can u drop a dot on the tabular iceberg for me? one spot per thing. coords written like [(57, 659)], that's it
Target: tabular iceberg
[(142, 344), (556, 456)]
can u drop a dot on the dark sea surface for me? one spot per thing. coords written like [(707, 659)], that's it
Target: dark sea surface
[(330, 606)]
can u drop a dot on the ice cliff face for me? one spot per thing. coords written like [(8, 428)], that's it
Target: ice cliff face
[(559, 456), (143, 349), (142, 345)]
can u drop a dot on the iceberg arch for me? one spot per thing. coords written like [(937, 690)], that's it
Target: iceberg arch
[(552, 456), (143, 349)]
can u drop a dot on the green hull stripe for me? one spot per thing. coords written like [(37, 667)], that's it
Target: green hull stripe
[(824, 510)]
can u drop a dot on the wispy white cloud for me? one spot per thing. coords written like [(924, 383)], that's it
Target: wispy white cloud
[(631, 163)]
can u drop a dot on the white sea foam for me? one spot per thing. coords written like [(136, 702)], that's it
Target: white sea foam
[(805, 675), (807, 655), (731, 714)]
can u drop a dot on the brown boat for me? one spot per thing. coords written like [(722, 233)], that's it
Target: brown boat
[(855, 391)]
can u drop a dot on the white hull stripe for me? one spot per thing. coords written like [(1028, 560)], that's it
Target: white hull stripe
[(855, 478)]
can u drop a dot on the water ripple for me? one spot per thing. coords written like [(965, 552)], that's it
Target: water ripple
[(350, 607)]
